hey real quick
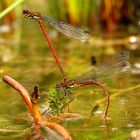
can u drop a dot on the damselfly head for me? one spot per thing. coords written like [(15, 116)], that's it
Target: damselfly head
[(31, 15)]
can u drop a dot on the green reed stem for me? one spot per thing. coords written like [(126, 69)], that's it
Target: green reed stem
[(11, 7)]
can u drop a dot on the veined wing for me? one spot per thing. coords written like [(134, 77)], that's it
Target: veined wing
[(114, 67), (67, 29)]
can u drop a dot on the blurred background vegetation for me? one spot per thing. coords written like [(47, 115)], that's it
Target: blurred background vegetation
[(103, 18), (93, 14)]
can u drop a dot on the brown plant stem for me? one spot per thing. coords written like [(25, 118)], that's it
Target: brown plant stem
[(62, 131), (34, 110), (39, 120), (23, 92)]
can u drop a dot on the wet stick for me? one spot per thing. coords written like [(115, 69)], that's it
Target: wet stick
[(23, 92)]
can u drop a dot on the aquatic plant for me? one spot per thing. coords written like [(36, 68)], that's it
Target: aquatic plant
[(32, 105)]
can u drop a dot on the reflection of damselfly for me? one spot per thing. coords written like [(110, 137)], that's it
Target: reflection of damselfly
[(114, 67)]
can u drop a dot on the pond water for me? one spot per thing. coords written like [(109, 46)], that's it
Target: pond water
[(30, 61)]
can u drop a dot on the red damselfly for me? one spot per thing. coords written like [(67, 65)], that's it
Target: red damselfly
[(111, 68), (65, 28), (115, 67), (37, 16)]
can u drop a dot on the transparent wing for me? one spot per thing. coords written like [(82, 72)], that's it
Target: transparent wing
[(114, 67), (68, 29)]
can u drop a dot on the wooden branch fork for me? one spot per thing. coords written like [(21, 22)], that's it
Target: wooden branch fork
[(32, 105)]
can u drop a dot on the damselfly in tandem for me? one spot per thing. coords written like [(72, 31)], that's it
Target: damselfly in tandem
[(114, 67)]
